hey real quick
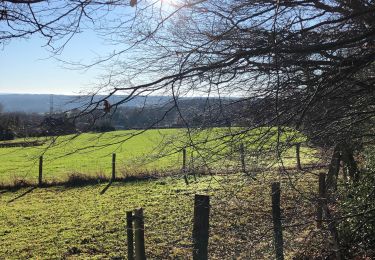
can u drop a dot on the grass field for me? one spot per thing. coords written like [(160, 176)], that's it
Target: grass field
[(87, 153), (64, 222), (80, 223), (136, 151)]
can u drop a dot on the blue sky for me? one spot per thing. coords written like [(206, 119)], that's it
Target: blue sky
[(27, 67)]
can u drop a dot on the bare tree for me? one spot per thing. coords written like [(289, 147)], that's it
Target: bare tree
[(312, 60)]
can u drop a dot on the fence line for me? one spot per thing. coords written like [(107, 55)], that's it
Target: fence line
[(200, 235), (246, 161)]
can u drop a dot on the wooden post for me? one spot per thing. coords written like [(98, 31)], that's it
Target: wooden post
[(321, 199), (184, 166), (129, 232), (333, 170), (192, 168), (184, 160), (351, 164), (40, 178), (201, 227), (298, 156), (242, 153), (276, 217), (139, 237), (113, 167), (334, 233)]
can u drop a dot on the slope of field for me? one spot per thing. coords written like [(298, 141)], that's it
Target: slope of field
[(80, 223)]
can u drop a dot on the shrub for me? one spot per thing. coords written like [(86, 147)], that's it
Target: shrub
[(357, 230)]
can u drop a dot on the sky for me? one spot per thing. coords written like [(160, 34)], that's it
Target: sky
[(27, 67)]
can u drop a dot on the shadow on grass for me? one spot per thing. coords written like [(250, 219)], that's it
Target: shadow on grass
[(106, 188), (76, 180), (23, 194)]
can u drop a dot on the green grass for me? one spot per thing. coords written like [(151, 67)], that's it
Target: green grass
[(79, 223), (87, 153), (140, 152), (82, 223)]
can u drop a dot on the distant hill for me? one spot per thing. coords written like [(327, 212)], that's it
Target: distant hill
[(40, 103)]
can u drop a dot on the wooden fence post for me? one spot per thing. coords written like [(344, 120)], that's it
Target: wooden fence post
[(139, 237), (242, 153), (333, 170), (192, 165), (184, 171), (276, 217), (113, 167), (321, 199), (129, 233), (184, 160), (298, 156), (201, 227), (40, 178)]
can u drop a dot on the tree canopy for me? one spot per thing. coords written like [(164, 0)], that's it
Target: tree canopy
[(310, 61)]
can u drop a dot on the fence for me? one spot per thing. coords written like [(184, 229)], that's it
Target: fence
[(200, 235), (246, 161)]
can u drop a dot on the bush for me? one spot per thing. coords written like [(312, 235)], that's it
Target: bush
[(357, 230)]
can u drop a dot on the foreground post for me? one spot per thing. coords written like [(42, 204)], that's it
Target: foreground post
[(40, 178), (201, 227), (276, 217), (242, 152), (322, 192), (113, 167), (129, 233), (139, 238)]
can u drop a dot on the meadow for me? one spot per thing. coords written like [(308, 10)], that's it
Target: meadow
[(137, 152), (88, 221), (89, 153)]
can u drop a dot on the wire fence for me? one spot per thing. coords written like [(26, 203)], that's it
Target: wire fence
[(241, 223), (57, 169), (235, 224)]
